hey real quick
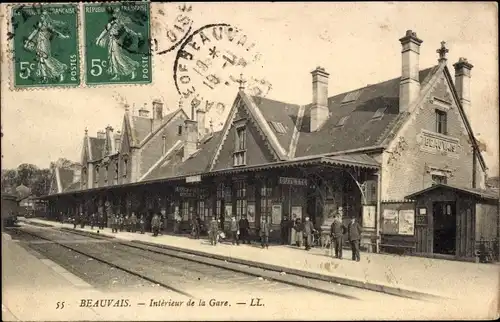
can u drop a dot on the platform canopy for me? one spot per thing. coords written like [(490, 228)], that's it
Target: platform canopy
[(478, 193)]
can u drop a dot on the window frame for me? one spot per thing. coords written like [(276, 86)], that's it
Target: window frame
[(266, 202), (179, 130), (441, 126), (240, 148)]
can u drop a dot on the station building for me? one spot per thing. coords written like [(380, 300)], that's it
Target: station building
[(400, 155)]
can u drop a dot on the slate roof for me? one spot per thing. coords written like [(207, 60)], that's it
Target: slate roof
[(66, 177), (143, 126), (359, 130), (73, 187), (481, 193), (197, 163), (96, 148), (276, 111)]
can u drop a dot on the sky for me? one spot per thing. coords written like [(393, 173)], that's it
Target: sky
[(357, 43)]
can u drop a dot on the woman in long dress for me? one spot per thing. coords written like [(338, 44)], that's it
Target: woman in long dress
[(119, 64), (47, 67)]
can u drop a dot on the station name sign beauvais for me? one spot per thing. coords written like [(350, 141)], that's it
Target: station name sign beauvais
[(438, 144), (293, 181)]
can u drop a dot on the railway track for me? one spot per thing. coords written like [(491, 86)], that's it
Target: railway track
[(122, 268), (177, 271)]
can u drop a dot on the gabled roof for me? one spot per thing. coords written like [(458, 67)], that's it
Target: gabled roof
[(198, 162), (141, 129), (480, 193), (359, 130), (96, 148)]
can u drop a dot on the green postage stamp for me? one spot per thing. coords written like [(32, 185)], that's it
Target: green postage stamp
[(45, 43), (117, 43)]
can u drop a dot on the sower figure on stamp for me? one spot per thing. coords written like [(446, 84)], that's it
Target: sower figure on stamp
[(119, 63), (235, 230), (337, 233), (354, 236), (264, 231), (155, 224), (244, 227), (133, 222)]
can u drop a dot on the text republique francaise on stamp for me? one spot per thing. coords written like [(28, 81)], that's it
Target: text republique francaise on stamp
[(45, 45), (117, 43)]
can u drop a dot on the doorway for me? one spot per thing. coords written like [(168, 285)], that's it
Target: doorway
[(445, 227)]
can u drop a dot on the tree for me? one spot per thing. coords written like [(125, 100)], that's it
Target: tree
[(9, 180), (41, 185), (26, 174)]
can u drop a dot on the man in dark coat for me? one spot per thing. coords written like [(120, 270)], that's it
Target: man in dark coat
[(285, 231), (337, 233), (195, 223), (142, 223), (213, 231), (354, 236), (92, 221), (264, 231), (133, 222), (114, 222), (82, 220), (308, 233), (299, 228), (101, 220), (155, 224), (244, 226)]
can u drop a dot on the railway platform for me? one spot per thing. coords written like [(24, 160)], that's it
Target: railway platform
[(393, 274)]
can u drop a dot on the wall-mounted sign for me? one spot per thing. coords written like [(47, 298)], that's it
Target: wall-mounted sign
[(369, 214), (421, 217), (293, 181), (192, 179), (184, 189), (276, 214), (406, 222), (297, 212), (390, 222), (251, 212), (438, 144)]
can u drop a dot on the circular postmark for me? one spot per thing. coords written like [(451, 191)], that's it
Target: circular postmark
[(211, 62), (170, 26)]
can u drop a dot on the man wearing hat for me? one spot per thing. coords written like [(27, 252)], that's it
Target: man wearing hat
[(337, 233), (308, 233), (354, 236)]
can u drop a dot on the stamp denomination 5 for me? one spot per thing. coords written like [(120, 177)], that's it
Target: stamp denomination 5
[(117, 43), (45, 42)]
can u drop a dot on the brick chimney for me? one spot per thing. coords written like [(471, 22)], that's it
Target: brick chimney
[(200, 118), (462, 84), (157, 109), (111, 138), (409, 87), (190, 137), (319, 108), (143, 111), (101, 134)]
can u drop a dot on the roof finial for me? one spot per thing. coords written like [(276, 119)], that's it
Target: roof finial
[(211, 126), (442, 52), (86, 131), (241, 81)]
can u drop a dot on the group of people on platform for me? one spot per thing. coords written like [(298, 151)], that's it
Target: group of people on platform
[(292, 231)]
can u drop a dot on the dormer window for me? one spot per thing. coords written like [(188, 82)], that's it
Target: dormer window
[(342, 121), (239, 156), (379, 114), (278, 127), (179, 130), (351, 97)]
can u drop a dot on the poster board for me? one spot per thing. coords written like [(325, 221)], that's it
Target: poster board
[(297, 211), (276, 214), (228, 212), (407, 222), (390, 222), (421, 217), (369, 215), (251, 211)]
